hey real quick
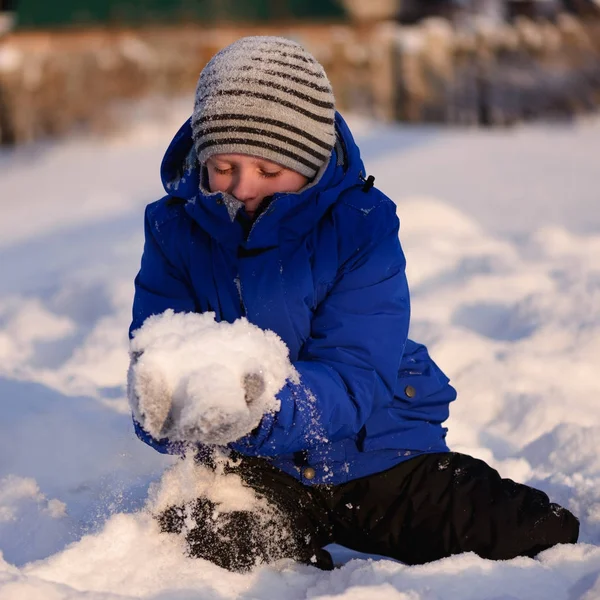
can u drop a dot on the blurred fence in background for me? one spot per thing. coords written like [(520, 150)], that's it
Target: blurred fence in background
[(433, 71)]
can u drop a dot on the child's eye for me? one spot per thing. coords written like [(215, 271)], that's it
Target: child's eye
[(268, 174), (222, 171)]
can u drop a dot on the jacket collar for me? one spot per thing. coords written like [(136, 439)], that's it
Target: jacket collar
[(292, 213)]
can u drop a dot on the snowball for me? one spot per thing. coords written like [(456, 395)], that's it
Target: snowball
[(186, 379)]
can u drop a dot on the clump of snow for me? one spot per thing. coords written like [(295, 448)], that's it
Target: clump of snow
[(23, 323), (29, 521), (188, 379), (13, 489), (188, 480)]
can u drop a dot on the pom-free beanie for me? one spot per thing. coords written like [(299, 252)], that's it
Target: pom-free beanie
[(267, 97)]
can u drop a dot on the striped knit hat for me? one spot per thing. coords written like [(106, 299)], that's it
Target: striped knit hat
[(265, 97)]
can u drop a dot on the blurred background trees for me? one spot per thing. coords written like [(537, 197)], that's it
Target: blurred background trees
[(64, 64)]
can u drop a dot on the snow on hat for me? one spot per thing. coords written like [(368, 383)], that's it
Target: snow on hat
[(267, 97)]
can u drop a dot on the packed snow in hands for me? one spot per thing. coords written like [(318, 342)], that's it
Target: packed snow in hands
[(192, 379)]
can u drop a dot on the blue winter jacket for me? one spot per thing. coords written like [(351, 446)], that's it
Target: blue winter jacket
[(324, 269)]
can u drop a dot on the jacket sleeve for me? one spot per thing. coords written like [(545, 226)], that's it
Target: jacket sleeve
[(349, 365), (158, 284), (158, 287)]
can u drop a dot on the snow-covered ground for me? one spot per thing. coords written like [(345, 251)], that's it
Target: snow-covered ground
[(502, 235)]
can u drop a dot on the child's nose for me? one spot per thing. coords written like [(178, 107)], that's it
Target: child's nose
[(244, 188)]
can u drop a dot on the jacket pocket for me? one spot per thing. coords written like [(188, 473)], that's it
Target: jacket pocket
[(413, 420)]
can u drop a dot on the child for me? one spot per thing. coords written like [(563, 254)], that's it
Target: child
[(270, 215)]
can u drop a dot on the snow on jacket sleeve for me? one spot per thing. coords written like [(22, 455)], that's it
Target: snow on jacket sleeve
[(349, 365)]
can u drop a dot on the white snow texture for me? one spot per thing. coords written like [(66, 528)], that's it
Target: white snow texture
[(501, 231), (188, 376)]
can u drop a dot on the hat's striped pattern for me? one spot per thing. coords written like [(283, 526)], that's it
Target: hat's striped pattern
[(266, 97)]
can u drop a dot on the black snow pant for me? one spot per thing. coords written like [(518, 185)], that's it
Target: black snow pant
[(424, 509)]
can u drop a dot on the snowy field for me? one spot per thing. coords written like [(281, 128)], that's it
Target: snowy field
[(502, 235)]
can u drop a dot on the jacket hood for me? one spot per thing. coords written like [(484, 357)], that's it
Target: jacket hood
[(181, 173)]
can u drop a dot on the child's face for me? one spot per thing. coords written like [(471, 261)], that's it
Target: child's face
[(250, 179)]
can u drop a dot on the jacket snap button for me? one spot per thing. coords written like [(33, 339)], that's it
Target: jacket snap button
[(410, 391), (309, 473)]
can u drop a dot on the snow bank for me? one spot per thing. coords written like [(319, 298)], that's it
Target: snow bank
[(190, 376), (502, 237)]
